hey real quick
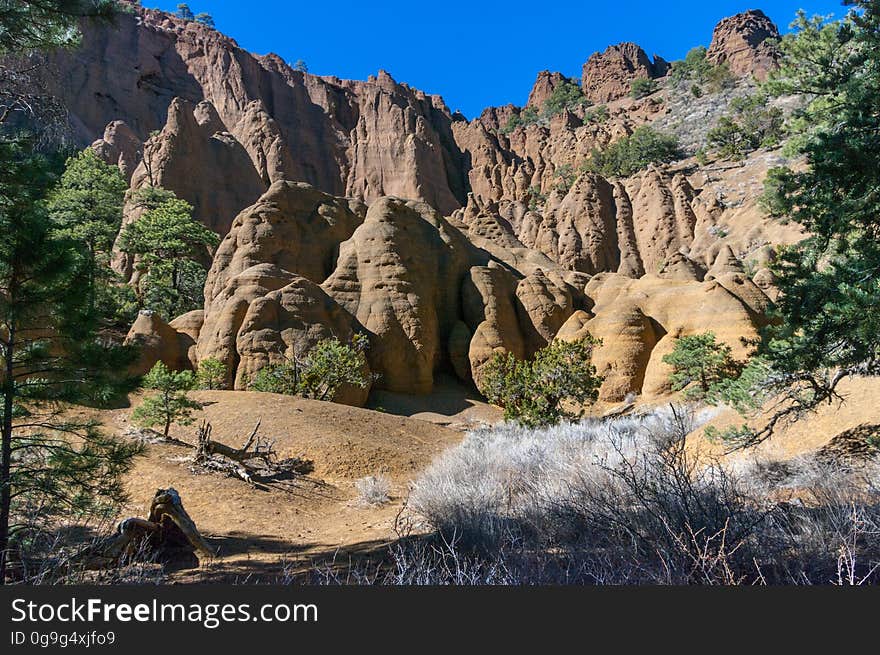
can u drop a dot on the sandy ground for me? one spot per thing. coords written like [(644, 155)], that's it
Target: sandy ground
[(261, 534), (838, 427)]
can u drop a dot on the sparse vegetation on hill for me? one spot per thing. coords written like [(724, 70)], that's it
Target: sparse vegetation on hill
[(629, 155), (704, 76), (527, 116), (642, 87), (598, 114), (751, 124), (566, 96)]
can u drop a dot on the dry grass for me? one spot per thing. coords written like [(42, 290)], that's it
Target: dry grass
[(373, 490), (623, 501)]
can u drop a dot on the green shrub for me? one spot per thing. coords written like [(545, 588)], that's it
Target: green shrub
[(598, 115), (211, 374), (693, 66), (527, 116), (565, 177), (172, 404), (536, 198), (719, 78), (697, 68), (534, 393), (277, 378), (642, 87), (636, 152), (326, 368), (566, 95), (752, 125), (699, 364)]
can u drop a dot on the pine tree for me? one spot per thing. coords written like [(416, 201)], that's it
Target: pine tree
[(49, 466), (46, 24), (544, 391), (167, 243), (205, 19), (699, 363), (826, 326), (184, 12), (28, 25), (212, 374), (86, 206), (172, 404)]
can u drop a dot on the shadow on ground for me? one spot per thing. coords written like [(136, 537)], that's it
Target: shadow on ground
[(450, 400), (270, 561)]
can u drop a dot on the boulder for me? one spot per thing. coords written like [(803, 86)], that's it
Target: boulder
[(156, 342)]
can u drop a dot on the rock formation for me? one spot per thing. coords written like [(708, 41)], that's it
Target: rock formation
[(400, 275), (365, 139), (369, 207), (545, 85), (176, 158), (120, 145), (745, 43), (608, 75), (294, 227), (156, 341), (639, 320)]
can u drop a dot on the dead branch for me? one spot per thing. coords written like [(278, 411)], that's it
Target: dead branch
[(255, 462)]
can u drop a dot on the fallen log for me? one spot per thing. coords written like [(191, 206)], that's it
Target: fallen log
[(255, 462)]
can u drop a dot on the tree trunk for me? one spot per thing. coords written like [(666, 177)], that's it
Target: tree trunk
[(6, 455)]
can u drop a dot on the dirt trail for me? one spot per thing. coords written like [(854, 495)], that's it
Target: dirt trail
[(259, 534)]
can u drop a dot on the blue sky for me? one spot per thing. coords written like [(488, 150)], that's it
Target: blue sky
[(473, 53)]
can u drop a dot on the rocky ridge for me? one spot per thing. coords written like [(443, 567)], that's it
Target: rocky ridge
[(370, 207)]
